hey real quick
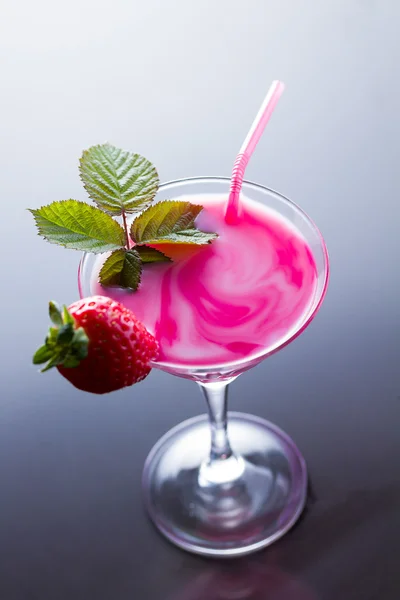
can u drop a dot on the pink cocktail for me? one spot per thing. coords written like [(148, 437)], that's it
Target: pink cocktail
[(232, 299), (239, 484)]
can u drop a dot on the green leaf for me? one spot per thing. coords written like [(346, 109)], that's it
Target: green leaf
[(55, 313), (75, 350), (151, 255), (80, 344), (122, 268), (112, 267), (53, 362), (170, 221), (65, 334), (78, 225), (67, 317), (42, 355), (64, 345), (187, 236), (71, 361), (51, 339), (118, 181)]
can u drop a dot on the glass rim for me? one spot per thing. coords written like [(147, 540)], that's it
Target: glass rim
[(236, 365)]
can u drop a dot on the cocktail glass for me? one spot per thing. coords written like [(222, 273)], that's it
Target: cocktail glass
[(227, 483)]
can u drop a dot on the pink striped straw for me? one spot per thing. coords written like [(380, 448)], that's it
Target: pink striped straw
[(248, 147)]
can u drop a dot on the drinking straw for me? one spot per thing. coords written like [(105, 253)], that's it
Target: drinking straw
[(248, 147)]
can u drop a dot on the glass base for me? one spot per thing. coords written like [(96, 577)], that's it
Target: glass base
[(233, 508)]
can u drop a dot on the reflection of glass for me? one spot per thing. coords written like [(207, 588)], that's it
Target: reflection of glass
[(245, 581), (212, 485)]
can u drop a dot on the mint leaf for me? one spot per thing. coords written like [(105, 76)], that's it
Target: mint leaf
[(187, 236), (151, 255), (170, 221), (122, 268), (79, 226), (118, 181), (112, 267)]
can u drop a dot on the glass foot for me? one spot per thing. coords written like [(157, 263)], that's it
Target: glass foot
[(253, 499)]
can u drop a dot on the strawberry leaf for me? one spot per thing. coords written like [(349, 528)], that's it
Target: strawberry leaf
[(151, 255), (118, 181), (79, 226), (65, 334), (64, 345), (170, 221), (42, 355), (55, 313), (122, 268), (67, 317)]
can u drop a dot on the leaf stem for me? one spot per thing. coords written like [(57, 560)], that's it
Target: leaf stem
[(127, 238)]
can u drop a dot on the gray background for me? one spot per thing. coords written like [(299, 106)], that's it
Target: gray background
[(180, 82)]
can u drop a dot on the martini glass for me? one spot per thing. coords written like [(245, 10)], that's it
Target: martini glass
[(224, 483)]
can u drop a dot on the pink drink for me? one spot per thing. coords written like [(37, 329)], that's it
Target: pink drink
[(239, 296)]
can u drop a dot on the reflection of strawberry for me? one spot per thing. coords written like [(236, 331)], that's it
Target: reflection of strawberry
[(98, 345)]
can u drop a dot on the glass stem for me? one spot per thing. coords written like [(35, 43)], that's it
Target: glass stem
[(216, 395)]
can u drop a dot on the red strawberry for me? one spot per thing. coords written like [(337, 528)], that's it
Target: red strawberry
[(98, 345)]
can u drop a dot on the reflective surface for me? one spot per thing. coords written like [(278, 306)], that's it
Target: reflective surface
[(162, 79)]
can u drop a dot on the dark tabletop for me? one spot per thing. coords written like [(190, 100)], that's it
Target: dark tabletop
[(180, 82)]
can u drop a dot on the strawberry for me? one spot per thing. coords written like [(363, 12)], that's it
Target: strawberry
[(98, 345)]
